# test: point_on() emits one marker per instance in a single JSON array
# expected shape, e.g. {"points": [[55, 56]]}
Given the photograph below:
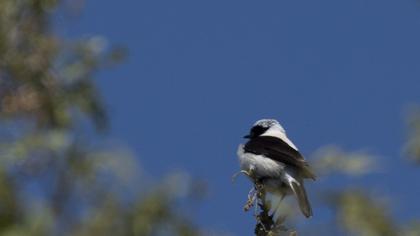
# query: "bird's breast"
{"points": [[262, 166]]}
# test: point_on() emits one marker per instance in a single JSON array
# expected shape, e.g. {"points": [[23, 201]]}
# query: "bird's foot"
{"points": [[240, 172]]}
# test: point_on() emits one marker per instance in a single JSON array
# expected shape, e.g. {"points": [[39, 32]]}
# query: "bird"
{"points": [[274, 161]]}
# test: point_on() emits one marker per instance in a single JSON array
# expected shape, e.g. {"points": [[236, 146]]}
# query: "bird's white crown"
{"points": [[274, 129], [268, 123]]}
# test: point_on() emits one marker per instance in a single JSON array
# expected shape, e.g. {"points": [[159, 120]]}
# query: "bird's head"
{"points": [[262, 126]]}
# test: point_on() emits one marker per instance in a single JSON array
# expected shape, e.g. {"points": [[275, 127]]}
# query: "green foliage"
{"points": [[332, 159], [52, 180], [45, 78], [8, 206], [363, 215], [413, 145], [357, 211]]}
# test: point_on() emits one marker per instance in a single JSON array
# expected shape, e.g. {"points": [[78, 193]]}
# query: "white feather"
{"points": [[274, 200], [259, 163]]}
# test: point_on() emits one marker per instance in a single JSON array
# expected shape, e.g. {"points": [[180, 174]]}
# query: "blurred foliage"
{"points": [[332, 159], [363, 215], [413, 146], [356, 210], [53, 180], [45, 78]]}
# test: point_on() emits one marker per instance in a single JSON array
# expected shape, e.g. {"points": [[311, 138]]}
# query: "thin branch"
{"points": [[266, 226]]}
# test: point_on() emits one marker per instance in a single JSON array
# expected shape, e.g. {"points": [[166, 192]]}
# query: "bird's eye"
{"points": [[257, 131]]}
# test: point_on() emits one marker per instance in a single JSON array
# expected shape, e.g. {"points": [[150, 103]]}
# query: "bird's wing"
{"points": [[278, 150]]}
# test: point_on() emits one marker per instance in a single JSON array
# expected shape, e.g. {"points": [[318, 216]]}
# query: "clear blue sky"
{"points": [[199, 73]]}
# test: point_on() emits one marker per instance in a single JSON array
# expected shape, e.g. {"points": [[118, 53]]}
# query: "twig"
{"points": [[265, 224]]}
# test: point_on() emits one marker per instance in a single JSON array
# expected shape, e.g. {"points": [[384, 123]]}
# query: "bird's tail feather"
{"points": [[299, 190]]}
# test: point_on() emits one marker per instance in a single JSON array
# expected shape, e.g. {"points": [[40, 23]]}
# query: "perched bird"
{"points": [[275, 162]]}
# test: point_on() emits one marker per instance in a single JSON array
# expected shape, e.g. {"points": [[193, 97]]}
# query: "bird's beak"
{"points": [[247, 136]]}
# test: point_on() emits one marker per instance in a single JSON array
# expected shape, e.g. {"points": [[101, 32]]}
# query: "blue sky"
{"points": [[199, 73]]}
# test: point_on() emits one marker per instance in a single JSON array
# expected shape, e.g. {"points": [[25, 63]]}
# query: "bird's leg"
{"points": [[276, 213], [279, 219]]}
